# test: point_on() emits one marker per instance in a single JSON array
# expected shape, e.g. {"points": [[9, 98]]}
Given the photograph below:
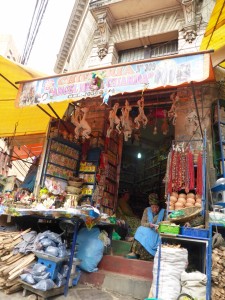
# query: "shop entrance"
{"points": [[144, 154]]}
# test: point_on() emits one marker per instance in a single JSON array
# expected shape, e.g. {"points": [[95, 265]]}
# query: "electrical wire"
{"points": [[36, 21]]}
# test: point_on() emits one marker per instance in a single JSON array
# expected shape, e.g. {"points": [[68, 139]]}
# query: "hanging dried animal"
{"points": [[113, 120], [77, 116], [172, 114], [125, 121], [141, 118], [82, 129]]}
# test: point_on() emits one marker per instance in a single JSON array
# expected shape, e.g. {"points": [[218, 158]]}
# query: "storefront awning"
{"points": [[153, 74], [214, 37], [24, 121]]}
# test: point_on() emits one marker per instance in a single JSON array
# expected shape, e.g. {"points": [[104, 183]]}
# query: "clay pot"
{"points": [[179, 205], [198, 204], [188, 204], [181, 200], [173, 199], [182, 196], [191, 200], [171, 207], [175, 194], [198, 200], [191, 195]]}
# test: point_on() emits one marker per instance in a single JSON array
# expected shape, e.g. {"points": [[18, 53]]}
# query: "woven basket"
{"points": [[73, 190], [189, 214], [75, 183]]}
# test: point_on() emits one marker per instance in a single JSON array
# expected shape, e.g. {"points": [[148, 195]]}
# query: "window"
{"points": [[155, 50]]}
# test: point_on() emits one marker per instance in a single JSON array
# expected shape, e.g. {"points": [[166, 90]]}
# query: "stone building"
{"points": [[106, 32]]}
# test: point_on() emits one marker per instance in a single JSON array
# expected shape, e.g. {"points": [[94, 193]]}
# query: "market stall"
{"points": [[81, 163]]}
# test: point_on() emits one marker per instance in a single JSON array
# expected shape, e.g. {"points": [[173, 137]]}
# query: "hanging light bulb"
{"points": [[155, 130]]}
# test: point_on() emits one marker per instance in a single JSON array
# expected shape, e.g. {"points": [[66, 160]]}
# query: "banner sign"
{"points": [[154, 74]]}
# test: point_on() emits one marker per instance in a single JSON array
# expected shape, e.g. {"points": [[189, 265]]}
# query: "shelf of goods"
{"points": [[218, 132], [87, 172], [61, 159], [110, 173]]}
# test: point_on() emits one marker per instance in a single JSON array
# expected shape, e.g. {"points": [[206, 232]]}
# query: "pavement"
{"points": [[79, 292]]}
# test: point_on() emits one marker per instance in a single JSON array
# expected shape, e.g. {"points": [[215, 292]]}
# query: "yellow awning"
{"points": [[26, 120], [214, 37]]}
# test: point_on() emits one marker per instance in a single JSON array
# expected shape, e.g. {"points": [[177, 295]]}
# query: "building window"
{"points": [[155, 50]]}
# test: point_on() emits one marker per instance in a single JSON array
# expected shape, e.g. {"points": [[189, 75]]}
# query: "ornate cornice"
{"points": [[104, 22], [72, 30], [189, 28]]}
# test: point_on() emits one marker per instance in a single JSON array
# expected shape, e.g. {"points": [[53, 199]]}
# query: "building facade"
{"points": [[106, 32]]}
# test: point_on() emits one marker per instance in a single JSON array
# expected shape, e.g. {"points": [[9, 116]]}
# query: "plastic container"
{"points": [[167, 228], [52, 267], [194, 232]]}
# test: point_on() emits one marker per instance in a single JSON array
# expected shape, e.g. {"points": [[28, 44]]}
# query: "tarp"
{"points": [[21, 121], [152, 74], [214, 37]]}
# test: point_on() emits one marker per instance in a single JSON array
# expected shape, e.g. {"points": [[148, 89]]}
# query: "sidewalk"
{"points": [[79, 292]]}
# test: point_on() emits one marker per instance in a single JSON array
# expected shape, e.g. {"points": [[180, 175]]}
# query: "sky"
{"points": [[15, 19]]}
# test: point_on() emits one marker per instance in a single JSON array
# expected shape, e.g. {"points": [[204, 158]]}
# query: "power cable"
{"points": [[36, 21]]}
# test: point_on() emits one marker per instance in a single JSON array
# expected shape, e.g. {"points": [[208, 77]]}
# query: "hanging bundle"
{"points": [[181, 170], [199, 183]]}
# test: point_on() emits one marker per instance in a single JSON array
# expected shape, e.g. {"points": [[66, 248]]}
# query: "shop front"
{"points": [[142, 127]]}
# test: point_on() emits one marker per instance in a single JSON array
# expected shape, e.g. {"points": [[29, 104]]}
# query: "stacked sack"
{"points": [[182, 200], [173, 261]]}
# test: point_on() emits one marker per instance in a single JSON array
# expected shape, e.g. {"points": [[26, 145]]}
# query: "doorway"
{"points": [[144, 157]]}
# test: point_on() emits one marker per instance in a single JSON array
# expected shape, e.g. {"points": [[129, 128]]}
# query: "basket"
{"points": [[189, 214], [194, 232], [168, 228], [73, 189], [75, 183]]}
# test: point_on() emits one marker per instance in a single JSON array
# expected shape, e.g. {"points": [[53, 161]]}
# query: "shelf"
{"points": [[66, 142], [60, 153], [87, 172], [57, 165], [55, 176]]}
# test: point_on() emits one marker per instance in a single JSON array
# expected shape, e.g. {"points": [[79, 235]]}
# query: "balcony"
{"points": [[125, 10]]}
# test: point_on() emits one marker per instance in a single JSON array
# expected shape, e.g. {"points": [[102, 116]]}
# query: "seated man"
{"points": [[146, 238]]}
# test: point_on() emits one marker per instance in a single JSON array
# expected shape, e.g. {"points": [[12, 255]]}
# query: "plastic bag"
{"points": [[51, 235], [62, 250], [47, 242], [52, 251], [41, 277], [90, 249], [27, 278], [60, 280], [44, 285], [39, 269], [64, 271]]}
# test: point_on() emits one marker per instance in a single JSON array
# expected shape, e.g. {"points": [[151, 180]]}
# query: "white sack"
{"points": [[194, 284], [173, 262]]}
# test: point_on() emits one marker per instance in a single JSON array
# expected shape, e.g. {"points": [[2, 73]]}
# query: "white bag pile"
{"points": [[173, 261], [194, 284]]}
